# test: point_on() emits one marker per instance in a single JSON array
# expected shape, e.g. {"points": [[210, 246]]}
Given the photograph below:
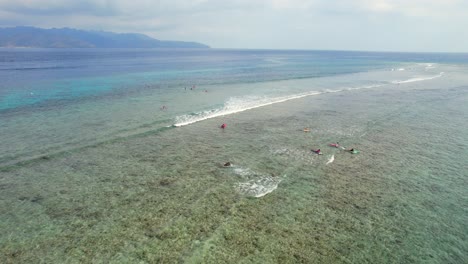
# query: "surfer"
{"points": [[227, 164], [306, 129], [317, 151], [223, 126], [353, 151]]}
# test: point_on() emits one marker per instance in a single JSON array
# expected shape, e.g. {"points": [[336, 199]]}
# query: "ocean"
{"points": [[116, 156]]}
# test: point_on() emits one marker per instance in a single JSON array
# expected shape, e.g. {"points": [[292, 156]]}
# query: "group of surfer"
{"points": [[185, 88], [191, 88], [336, 145], [316, 151]]}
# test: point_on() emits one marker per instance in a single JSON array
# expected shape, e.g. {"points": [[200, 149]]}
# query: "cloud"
{"points": [[421, 8], [357, 24], [144, 8], [58, 7]]}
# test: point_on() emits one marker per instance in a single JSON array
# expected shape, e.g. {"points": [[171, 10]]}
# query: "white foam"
{"points": [[280, 151], [330, 160], [259, 187], [243, 171], [240, 104], [275, 60], [236, 105], [430, 66], [364, 87], [255, 184], [418, 79], [401, 69], [333, 91]]}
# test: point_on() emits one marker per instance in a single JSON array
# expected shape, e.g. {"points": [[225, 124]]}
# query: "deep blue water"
{"points": [[37, 76]]}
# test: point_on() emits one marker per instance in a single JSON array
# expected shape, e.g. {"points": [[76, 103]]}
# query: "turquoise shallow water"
{"points": [[140, 190]]}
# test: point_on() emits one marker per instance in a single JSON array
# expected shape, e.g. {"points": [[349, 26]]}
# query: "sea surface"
{"points": [[116, 156]]}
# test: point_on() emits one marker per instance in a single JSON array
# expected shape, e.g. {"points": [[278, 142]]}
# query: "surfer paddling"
{"points": [[353, 151], [317, 151]]}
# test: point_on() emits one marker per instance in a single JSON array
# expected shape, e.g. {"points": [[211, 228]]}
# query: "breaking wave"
{"points": [[418, 79], [236, 105], [240, 104]]}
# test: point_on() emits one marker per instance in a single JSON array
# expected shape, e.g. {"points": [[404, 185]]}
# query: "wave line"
{"points": [[418, 79], [236, 105]]}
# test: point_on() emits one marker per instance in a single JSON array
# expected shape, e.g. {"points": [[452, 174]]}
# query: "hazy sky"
{"points": [[385, 25]]}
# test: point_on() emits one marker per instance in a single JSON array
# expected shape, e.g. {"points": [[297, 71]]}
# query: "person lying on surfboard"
{"points": [[317, 151], [353, 151]]}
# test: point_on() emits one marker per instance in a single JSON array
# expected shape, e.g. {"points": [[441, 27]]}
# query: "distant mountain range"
{"points": [[74, 38]]}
